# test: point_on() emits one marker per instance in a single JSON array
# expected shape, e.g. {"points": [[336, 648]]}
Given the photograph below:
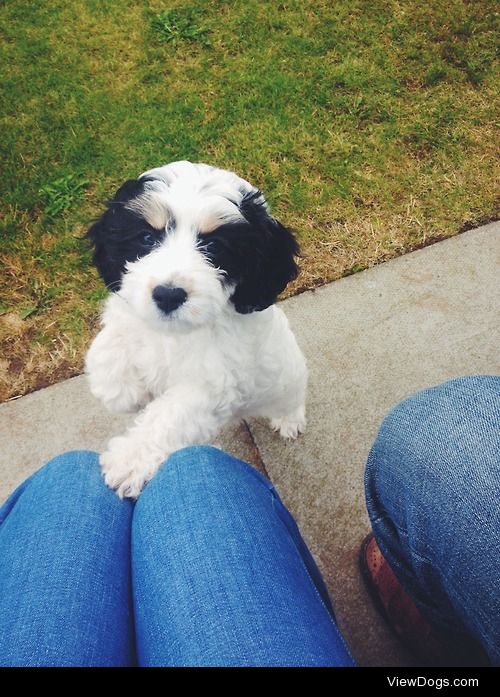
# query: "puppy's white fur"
{"points": [[203, 366]]}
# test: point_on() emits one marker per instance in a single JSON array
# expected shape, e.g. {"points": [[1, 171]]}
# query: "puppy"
{"points": [[191, 338]]}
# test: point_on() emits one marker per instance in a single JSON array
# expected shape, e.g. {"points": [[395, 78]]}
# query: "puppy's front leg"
{"points": [[112, 374], [182, 416]]}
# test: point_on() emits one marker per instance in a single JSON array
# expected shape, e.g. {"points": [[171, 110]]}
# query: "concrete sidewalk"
{"points": [[370, 340]]}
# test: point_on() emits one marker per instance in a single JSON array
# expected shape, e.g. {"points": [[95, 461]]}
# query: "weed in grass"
{"points": [[60, 194], [180, 24]]}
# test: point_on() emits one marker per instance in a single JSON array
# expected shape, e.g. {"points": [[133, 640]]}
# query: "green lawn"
{"points": [[370, 126]]}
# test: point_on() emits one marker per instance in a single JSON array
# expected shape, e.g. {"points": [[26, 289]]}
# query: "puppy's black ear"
{"points": [[109, 268], [106, 234], [267, 257]]}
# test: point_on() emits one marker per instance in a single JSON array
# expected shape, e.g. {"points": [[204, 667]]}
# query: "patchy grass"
{"points": [[371, 127]]}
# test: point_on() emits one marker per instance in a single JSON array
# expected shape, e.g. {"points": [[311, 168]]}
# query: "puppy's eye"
{"points": [[148, 239]]}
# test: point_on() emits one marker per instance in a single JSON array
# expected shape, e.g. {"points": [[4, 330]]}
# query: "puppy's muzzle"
{"points": [[168, 298]]}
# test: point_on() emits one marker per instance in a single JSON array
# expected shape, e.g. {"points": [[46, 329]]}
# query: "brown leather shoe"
{"points": [[406, 620]]}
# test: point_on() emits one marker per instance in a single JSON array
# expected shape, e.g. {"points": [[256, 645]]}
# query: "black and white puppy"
{"points": [[190, 335]]}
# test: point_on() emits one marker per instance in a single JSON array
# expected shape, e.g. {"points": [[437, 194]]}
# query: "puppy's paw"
{"points": [[290, 426], [127, 466]]}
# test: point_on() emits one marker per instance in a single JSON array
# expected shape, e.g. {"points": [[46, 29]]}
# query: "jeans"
{"points": [[208, 568], [433, 497]]}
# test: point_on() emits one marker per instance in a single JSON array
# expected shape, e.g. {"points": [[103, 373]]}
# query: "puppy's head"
{"points": [[183, 241]]}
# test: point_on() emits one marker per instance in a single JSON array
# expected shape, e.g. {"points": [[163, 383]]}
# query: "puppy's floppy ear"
{"points": [[267, 259], [105, 232], [109, 268]]}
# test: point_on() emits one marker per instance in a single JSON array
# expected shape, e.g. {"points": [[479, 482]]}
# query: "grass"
{"points": [[371, 127]]}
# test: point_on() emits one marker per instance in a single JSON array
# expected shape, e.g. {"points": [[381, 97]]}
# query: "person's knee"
{"points": [[204, 458], [198, 472], [188, 465], [427, 435]]}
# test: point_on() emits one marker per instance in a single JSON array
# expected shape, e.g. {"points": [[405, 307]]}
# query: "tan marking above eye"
{"points": [[152, 208], [216, 211]]}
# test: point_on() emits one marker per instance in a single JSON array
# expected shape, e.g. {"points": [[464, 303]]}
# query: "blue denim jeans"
{"points": [[433, 497], [207, 569]]}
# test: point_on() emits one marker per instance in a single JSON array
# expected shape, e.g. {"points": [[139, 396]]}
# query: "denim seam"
{"points": [[276, 499], [267, 484], [318, 594], [334, 625]]}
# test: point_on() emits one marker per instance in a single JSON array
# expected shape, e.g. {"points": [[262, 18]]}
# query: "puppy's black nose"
{"points": [[168, 298]]}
